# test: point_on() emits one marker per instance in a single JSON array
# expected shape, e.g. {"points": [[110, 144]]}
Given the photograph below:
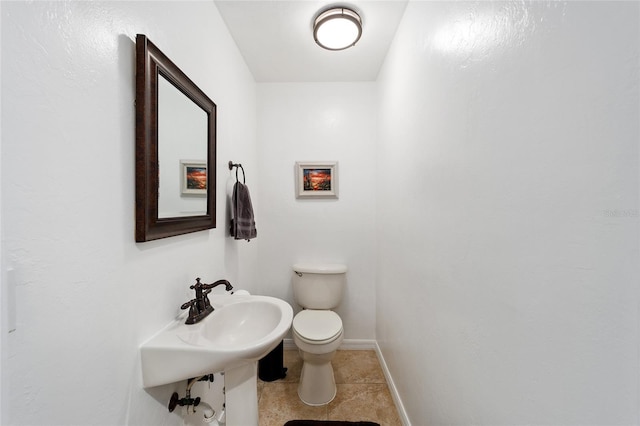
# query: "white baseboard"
{"points": [[346, 345], [358, 345], [288, 344], [392, 388], [366, 344]]}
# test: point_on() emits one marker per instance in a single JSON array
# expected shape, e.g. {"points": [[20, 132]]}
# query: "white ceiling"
{"points": [[276, 39]]}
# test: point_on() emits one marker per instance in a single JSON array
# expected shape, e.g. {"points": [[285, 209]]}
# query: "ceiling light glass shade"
{"points": [[337, 28]]}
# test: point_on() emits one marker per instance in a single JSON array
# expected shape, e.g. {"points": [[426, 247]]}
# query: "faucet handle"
{"points": [[198, 284], [194, 311], [188, 304]]}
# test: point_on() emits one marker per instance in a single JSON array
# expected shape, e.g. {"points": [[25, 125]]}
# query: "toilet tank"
{"points": [[319, 286]]}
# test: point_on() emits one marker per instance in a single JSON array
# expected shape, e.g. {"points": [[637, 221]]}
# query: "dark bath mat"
{"points": [[327, 423]]}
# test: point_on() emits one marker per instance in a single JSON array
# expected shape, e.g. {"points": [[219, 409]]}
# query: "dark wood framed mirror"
{"points": [[175, 149]]}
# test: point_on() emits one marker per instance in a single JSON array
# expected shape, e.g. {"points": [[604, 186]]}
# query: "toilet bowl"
{"points": [[317, 331], [317, 334]]}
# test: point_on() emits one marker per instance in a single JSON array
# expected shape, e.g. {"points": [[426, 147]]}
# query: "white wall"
{"points": [[318, 122], [87, 294], [511, 132]]}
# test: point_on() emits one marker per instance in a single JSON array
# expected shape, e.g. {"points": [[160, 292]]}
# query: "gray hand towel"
{"points": [[243, 225]]}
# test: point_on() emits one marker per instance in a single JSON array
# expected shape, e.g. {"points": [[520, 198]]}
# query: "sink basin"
{"points": [[241, 330]]}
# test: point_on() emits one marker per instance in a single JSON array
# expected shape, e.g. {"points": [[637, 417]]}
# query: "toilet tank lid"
{"points": [[327, 268]]}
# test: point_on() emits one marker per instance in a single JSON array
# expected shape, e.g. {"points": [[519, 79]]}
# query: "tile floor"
{"points": [[362, 395]]}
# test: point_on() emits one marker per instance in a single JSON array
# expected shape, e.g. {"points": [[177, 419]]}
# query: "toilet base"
{"points": [[317, 383]]}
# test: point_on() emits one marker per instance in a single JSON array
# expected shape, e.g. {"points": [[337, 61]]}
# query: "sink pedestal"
{"points": [[241, 395]]}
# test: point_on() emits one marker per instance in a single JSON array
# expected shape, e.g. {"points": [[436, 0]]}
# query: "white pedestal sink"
{"points": [[241, 330]]}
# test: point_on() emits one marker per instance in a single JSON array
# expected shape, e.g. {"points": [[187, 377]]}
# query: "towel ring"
{"points": [[238, 166]]}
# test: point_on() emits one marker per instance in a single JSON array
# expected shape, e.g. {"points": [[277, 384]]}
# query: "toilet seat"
{"points": [[317, 326]]}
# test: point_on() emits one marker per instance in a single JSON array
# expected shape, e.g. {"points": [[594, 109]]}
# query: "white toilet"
{"points": [[317, 331]]}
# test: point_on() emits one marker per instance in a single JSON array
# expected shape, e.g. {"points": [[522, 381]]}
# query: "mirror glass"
{"points": [[175, 149], [182, 153]]}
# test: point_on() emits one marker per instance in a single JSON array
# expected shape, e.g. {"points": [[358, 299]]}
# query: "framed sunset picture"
{"points": [[317, 179], [194, 177]]}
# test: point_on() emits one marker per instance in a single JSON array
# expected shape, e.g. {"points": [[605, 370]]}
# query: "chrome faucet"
{"points": [[200, 307]]}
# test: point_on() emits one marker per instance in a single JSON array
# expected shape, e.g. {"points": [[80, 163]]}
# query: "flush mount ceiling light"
{"points": [[337, 28]]}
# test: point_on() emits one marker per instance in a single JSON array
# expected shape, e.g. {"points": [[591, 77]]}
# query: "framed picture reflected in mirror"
{"points": [[194, 177]]}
